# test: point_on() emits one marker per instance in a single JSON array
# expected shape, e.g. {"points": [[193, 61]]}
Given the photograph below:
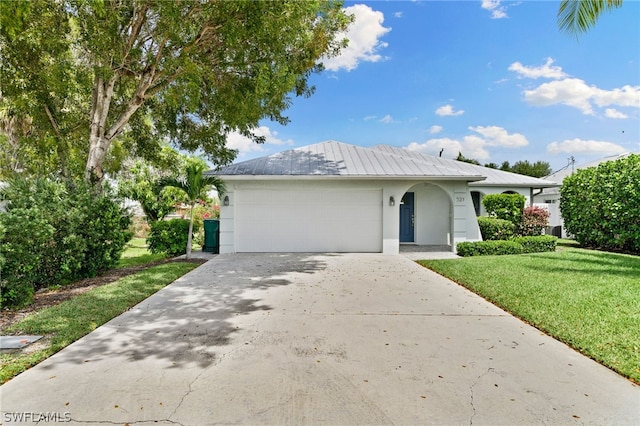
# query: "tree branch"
{"points": [[138, 20], [52, 120]]}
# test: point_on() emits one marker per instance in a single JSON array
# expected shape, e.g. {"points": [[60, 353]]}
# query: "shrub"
{"points": [[106, 232], [493, 228], [534, 221], [486, 248], [55, 232], [505, 206], [169, 236], [26, 235], [537, 244], [518, 245], [601, 205]]}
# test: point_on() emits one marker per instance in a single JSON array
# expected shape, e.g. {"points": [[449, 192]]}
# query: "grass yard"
{"points": [[70, 320], [587, 299], [136, 254]]}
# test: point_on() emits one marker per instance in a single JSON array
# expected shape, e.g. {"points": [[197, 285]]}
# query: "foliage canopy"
{"points": [[89, 73]]}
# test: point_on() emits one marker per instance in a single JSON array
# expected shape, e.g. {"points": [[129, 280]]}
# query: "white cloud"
{"points": [[245, 145], [370, 117], [497, 11], [364, 39], [614, 113], [433, 146], [387, 119], [626, 96], [435, 129], [543, 71], [398, 14], [471, 146], [497, 136], [448, 110], [576, 93], [578, 146]]}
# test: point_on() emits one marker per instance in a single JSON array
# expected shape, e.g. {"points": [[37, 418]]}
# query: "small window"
{"points": [[475, 196]]}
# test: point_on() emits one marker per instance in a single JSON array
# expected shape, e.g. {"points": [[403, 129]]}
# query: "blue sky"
{"points": [[494, 80]]}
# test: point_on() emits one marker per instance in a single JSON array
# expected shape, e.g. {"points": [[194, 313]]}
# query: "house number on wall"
{"points": [[459, 199]]}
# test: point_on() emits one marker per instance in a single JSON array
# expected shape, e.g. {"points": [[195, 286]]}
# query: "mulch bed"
{"points": [[46, 298]]}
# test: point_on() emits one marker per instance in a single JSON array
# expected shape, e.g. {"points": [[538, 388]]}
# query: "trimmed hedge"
{"points": [[493, 228], [488, 248], [537, 244], [518, 245], [170, 236]]}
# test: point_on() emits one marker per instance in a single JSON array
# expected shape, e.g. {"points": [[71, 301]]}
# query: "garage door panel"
{"points": [[309, 221]]}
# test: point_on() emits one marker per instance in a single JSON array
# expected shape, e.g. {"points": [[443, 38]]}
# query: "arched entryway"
{"points": [[426, 216]]}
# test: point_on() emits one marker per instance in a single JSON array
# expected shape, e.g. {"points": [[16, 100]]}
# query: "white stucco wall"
{"points": [[444, 210]]}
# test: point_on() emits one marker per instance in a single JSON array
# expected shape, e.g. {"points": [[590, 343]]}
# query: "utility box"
{"points": [[211, 236]]}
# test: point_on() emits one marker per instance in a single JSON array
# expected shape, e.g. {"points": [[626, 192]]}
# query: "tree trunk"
{"points": [[98, 139], [190, 236]]}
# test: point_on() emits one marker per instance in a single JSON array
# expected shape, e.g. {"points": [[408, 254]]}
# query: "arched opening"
{"points": [[426, 212]]}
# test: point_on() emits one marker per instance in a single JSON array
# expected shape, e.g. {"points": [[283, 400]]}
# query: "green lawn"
{"points": [[70, 320], [136, 254], [587, 299]]}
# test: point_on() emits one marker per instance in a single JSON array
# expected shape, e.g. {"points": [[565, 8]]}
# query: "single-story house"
{"points": [[336, 197]]}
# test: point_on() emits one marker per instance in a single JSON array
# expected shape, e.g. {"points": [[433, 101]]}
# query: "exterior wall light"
{"points": [[225, 201], [392, 201]]}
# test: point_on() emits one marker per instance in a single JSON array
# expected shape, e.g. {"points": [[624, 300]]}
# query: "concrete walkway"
{"points": [[309, 339]]}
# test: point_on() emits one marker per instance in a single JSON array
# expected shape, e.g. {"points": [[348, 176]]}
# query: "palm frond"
{"points": [[194, 183], [578, 16]]}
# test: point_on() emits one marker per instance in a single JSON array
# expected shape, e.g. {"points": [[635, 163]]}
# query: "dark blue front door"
{"points": [[406, 218]]}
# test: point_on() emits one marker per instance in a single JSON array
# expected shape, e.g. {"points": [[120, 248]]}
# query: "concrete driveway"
{"points": [[309, 339]]}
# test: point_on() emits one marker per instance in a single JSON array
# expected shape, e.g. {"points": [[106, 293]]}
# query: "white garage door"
{"points": [[309, 221]]}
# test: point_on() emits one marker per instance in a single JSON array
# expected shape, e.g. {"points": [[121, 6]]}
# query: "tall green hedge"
{"points": [[601, 205], [505, 206], [55, 232]]}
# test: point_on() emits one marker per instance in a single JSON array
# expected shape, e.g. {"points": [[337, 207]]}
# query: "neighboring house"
{"points": [[336, 197], [549, 198]]}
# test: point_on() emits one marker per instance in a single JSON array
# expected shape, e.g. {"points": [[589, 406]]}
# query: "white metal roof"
{"points": [[337, 159], [494, 177]]}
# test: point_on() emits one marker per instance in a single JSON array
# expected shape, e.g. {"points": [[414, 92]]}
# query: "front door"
{"points": [[406, 218]]}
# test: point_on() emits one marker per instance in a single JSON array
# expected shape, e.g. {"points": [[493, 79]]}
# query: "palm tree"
{"points": [[578, 16], [195, 185]]}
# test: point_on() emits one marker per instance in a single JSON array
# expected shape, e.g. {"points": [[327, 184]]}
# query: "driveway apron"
{"points": [[318, 339]]}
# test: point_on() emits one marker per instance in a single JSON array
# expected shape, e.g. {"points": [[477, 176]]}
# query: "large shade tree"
{"points": [[579, 16], [88, 73]]}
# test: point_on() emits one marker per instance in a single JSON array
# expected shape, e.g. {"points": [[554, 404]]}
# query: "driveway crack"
{"points": [[472, 393]]}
